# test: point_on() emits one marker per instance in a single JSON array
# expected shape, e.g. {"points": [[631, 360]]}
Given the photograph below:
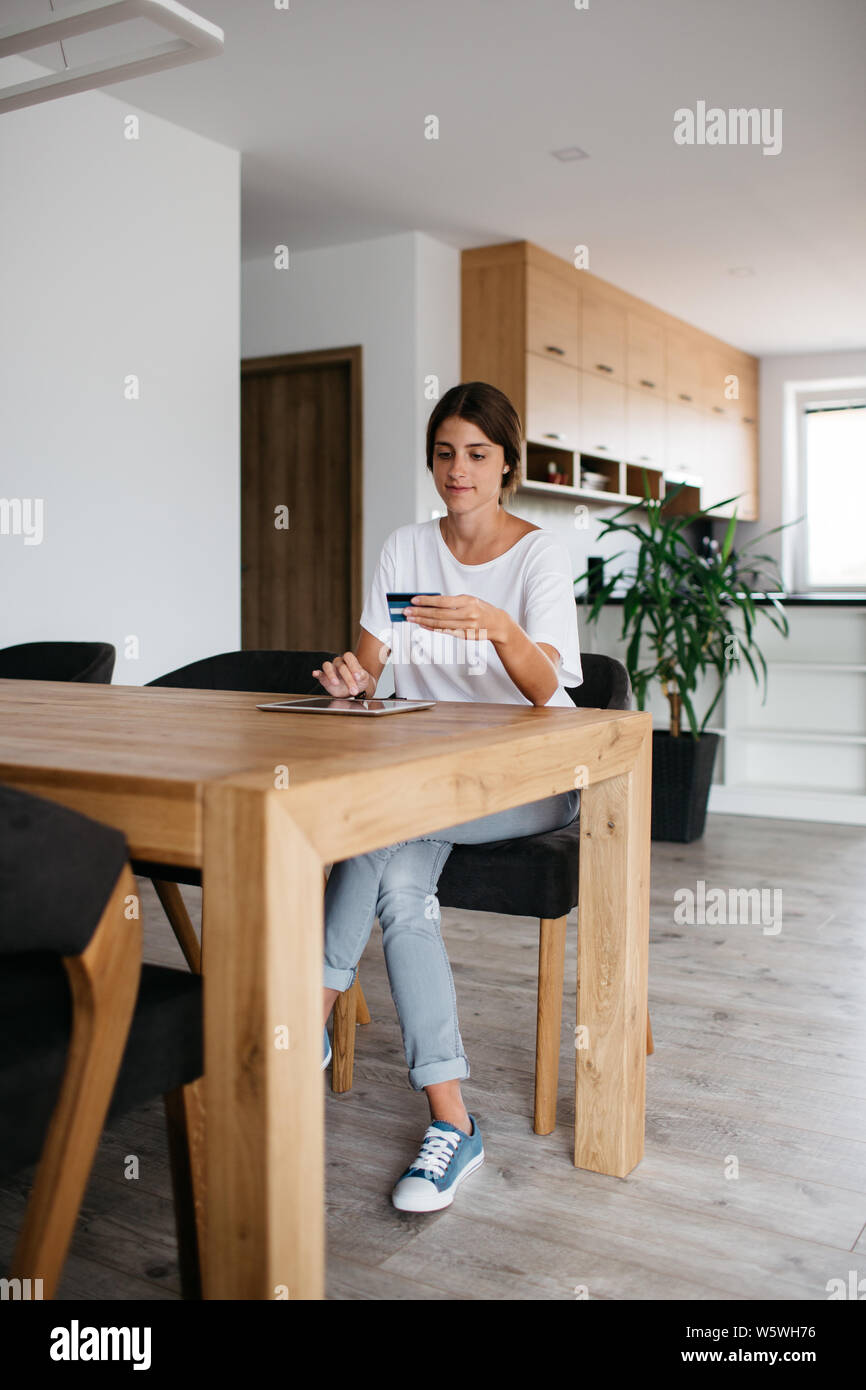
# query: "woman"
{"points": [[498, 625]]}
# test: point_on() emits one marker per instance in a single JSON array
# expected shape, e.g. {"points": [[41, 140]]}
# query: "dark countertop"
{"points": [[828, 600]]}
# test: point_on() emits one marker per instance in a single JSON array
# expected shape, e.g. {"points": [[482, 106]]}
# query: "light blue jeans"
{"points": [[398, 885]]}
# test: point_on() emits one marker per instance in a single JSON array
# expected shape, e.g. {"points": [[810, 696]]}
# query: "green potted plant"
{"points": [[685, 614]]}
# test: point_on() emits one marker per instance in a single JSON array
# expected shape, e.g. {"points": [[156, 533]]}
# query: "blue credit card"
{"points": [[397, 602]]}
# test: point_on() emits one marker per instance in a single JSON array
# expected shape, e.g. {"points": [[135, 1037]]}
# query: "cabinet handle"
{"points": [[644, 458], [553, 436], [603, 367], [748, 419], [560, 352], [601, 446], [650, 384], [684, 397], [719, 409]]}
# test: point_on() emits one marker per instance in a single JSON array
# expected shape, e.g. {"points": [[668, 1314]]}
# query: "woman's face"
{"points": [[467, 466]]}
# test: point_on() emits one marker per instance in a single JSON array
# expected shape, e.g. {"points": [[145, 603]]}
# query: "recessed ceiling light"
{"points": [[571, 152], [742, 272]]}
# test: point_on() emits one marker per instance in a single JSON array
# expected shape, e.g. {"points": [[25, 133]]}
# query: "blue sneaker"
{"points": [[326, 1054], [447, 1156]]}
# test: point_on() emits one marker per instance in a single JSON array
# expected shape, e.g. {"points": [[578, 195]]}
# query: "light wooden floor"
{"points": [[759, 1059]]}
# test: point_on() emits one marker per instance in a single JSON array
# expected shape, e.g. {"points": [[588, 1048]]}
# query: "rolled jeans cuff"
{"points": [[455, 1070], [338, 979]]}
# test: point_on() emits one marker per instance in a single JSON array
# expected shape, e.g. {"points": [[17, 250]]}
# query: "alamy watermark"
{"points": [[23, 516], [77, 1343], [736, 126], [20, 1290], [719, 907], [418, 646]]}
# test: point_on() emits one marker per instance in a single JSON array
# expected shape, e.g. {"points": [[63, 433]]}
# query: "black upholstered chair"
{"points": [[275, 672], [86, 1031], [58, 661], [535, 876]]}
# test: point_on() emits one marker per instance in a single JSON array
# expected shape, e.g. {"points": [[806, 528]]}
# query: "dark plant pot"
{"points": [[682, 773]]}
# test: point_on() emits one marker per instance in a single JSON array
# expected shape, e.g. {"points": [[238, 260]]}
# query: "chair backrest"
{"points": [[57, 872], [276, 672], [59, 661], [605, 683]]}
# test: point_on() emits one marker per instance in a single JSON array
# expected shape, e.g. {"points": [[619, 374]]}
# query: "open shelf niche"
{"points": [[552, 470]]}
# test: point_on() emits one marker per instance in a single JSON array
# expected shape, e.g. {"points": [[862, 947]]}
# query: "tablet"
{"points": [[325, 704]]}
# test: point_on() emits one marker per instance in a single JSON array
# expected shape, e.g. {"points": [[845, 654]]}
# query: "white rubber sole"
{"points": [[328, 1058], [439, 1200]]}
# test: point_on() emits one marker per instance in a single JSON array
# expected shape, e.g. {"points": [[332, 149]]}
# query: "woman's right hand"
{"points": [[345, 676]]}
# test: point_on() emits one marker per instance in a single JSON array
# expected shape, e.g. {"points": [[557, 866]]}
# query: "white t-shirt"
{"points": [[532, 582]]}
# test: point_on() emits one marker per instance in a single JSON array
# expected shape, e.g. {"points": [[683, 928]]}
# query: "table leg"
{"points": [[262, 908], [613, 950]]}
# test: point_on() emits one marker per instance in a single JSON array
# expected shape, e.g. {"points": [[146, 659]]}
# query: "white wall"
{"points": [[437, 349], [119, 257], [777, 448], [399, 297], [338, 297]]}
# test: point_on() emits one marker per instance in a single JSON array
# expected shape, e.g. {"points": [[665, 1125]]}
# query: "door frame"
{"points": [[351, 356]]}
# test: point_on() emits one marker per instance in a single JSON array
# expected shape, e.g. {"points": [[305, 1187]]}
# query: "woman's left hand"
{"points": [[460, 616]]}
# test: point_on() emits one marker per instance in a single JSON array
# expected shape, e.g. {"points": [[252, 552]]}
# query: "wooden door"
{"points": [[301, 500]]}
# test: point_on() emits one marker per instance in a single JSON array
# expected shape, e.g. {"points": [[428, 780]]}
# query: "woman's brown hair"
{"points": [[491, 410]]}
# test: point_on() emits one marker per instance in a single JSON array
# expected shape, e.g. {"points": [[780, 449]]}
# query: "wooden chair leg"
{"points": [[362, 1013], [184, 1117], [169, 895], [650, 1046], [551, 971], [345, 1015], [104, 982]]}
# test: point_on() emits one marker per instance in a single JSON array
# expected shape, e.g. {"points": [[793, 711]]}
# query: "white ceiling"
{"points": [[327, 103]]}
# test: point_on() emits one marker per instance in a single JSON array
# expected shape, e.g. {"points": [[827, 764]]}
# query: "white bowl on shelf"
{"points": [[596, 482]]}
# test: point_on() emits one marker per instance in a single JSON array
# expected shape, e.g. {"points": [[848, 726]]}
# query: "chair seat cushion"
{"points": [[535, 876], [164, 1048]]}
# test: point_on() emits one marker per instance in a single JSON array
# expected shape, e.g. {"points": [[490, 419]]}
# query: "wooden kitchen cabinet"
{"points": [[718, 465], [644, 428], [685, 374], [744, 471], [748, 401], [730, 470], [602, 335], [687, 441], [597, 373], [553, 402], [645, 354], [602, 416], [553, 316], [721, 382]]}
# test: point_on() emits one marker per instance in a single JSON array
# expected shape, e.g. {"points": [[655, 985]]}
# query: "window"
{"points": [[833, 492]]}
